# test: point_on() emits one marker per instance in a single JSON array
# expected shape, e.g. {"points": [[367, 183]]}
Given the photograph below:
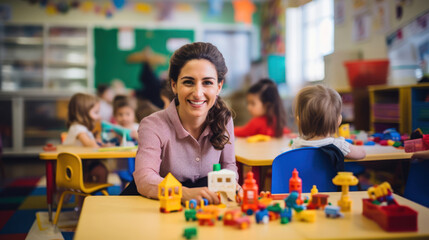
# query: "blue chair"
{"points": [[126, 176], [417, 187], [313, 165]]}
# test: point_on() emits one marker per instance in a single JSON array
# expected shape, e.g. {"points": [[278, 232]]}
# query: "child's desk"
{"points": [[260, 154], [134, 217], [83, 153]]}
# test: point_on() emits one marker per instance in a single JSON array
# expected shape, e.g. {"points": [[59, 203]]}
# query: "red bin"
{"points": [[363, 73]]}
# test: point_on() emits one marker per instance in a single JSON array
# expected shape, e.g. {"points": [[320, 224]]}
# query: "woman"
{"points": [[192, 134]]}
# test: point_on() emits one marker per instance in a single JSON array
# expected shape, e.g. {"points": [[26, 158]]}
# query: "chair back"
{"points": [[69, 171], [314, 168], [417, 187]]}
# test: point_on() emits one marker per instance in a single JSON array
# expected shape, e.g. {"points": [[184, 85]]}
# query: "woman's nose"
{"points": [[198, 91]]}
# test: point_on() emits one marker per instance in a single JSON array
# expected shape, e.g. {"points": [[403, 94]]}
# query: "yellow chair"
{"points": [[70, 176]]}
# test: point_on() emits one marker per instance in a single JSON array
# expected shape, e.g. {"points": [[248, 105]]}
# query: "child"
{"points": [[265, 106], [318, 116], [124, 114], [83, 113], [105, 94]]}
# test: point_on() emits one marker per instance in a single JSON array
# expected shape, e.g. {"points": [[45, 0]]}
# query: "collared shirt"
{"points": [[165, 146], [339, 142]]}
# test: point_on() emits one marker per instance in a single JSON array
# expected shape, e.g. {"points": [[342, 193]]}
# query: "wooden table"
{"points": [[133, 217], [260, 154], [84, 153]]}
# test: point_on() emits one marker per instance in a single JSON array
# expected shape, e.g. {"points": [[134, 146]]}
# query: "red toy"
{"points": [[318, 201], [415, 145], [250, 195], [49, 147], [295, 184], [392, 218]]}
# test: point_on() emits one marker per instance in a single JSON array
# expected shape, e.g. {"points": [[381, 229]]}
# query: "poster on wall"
{"points": [[126, 39], [339, 12], [361, 27], [380, 13], [360, 7]]}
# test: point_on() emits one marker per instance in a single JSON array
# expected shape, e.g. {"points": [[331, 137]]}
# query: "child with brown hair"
{"points": [[265, 106], [124, 114], [318, 116]]}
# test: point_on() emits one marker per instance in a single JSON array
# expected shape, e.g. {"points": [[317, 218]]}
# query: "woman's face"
{"points": [[196, 88]]}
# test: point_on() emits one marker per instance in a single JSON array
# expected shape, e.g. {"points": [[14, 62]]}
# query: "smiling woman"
{"points": [[192, 134]]}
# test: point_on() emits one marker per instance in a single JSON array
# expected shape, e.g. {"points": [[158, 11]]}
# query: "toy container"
{"points": [[363, 73]]}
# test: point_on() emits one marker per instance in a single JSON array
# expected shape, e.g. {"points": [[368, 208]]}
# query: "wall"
{"points": [[374, 47]]}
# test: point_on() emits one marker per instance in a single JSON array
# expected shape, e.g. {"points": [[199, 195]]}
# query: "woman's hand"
{"points": [[421, 155], [198, 194]]}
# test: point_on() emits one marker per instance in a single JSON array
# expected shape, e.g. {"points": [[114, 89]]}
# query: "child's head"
{"points": [[166, 93], [317, 111], [83, 109], [124, 110], [263, 99], [105, 92]]}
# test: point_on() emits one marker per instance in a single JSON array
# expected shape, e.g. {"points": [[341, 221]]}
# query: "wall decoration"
{"points": [[380, 13], [339, 12], [51, 9], [143, 7], [215, 7], [360, 7], [361, 27], [126, 39], [273, 27], [119, 4], [86, 6], [243, 11]]}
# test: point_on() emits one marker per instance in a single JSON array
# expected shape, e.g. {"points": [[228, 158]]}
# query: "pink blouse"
{"points": [[165, 146]]}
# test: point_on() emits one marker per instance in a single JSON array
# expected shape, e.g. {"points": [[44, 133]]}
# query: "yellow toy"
{"points": [[258, 138], [170, 194], [306, 215], [313, 191], [344, 130], [345, 179], [380, 192]]}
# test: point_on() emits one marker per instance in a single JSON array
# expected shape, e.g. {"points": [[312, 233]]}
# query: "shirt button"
{"points": [[198, 159]]}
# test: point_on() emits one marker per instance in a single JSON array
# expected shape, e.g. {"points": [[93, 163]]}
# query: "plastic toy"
{"points": [[415, 145], [258, 138], [230, 216], [313, 191], [279, 196], [265, 198], [107, 128], [392, 218], [170, 194], [295, 184], [49, 147], [208, 215], [285, 215], [190, 215], [381, 193], [223, 182], [262, 216], [306, 216], [318, 201], [333, 212], [250, 195], [344, 130], [242, 222], [345, 179], [190, 232], [290, 202], [391, 134]]}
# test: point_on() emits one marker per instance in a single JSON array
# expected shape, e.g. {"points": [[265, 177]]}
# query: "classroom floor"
{"points": [[23, 195]]}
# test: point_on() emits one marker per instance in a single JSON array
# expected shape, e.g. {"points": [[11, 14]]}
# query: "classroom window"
{"points": [[309, 37]]}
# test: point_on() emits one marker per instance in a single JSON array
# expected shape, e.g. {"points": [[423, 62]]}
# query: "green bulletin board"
{"points": [[111, 63]]}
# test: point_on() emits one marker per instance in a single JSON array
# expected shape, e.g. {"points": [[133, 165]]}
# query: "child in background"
{"points": [[265, 106], [105, 94], [166, 93], [318, 116], [83, 113], [124, 114]]}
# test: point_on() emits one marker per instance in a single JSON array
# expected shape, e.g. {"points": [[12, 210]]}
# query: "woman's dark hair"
{"points": [[270, 98], [219, 115]]}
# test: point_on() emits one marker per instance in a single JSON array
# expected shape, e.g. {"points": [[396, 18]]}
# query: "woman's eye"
{"points": [[208, 82], [187, 82]]}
